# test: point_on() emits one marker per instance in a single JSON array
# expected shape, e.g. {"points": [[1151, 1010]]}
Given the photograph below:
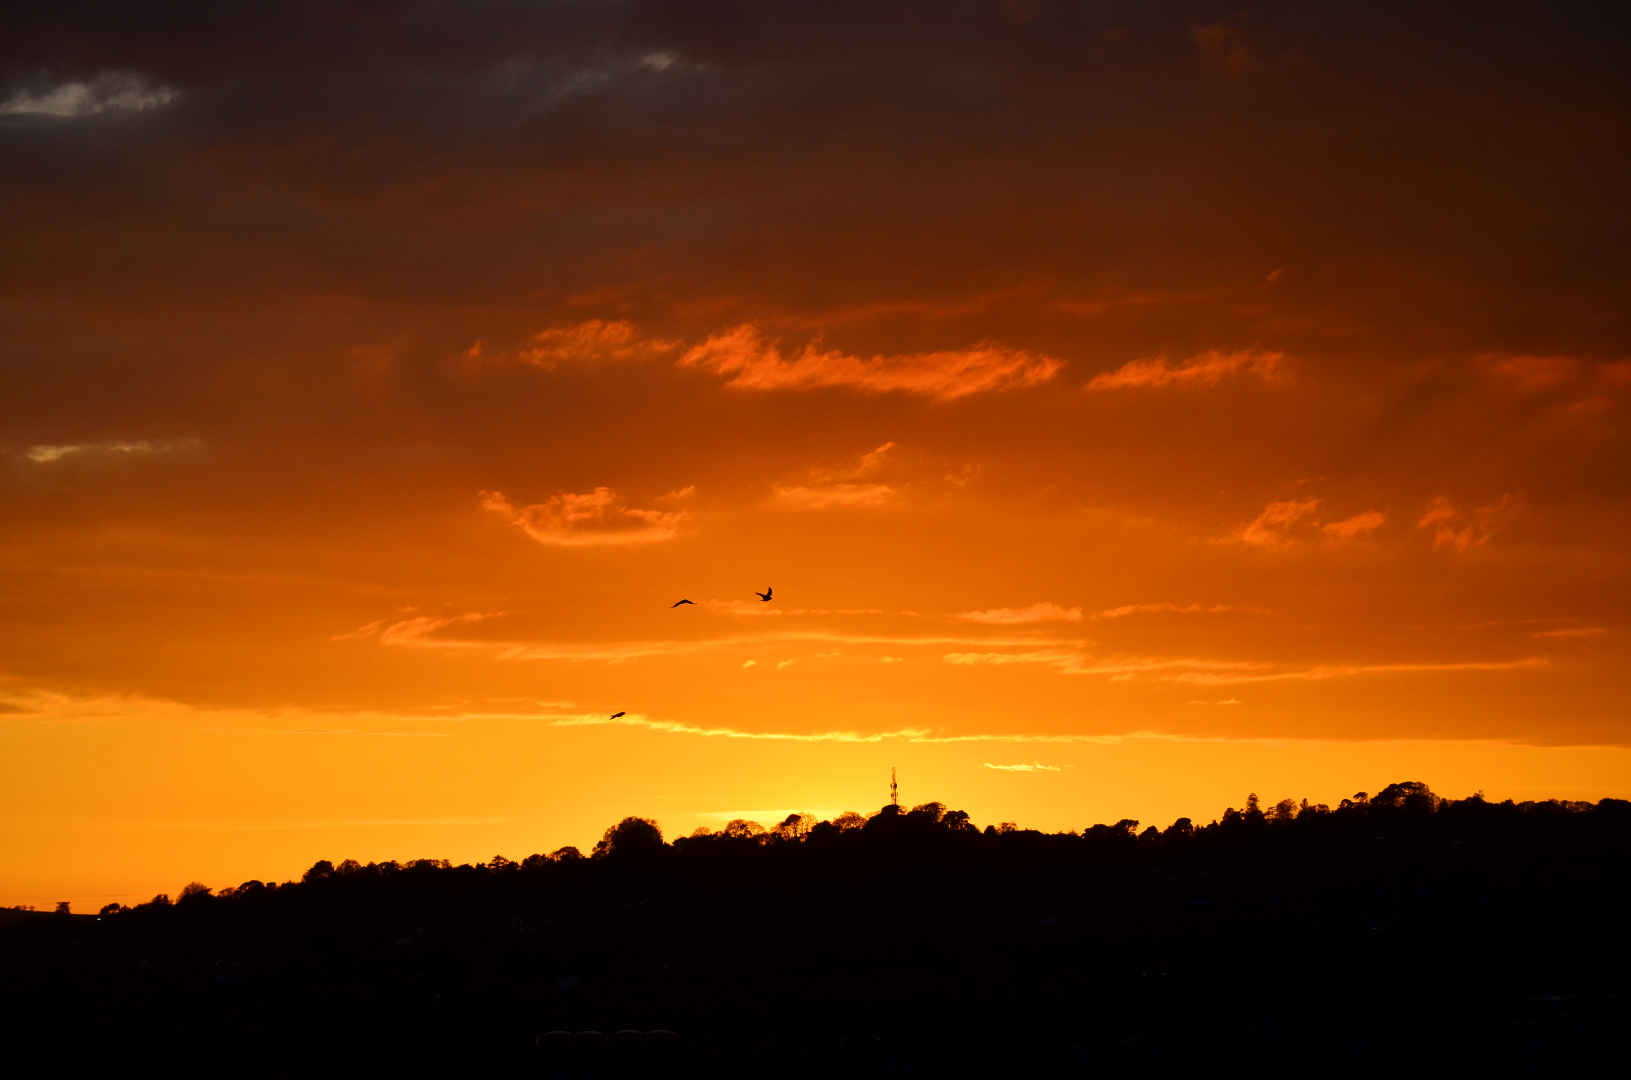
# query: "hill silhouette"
{"points": [[1400, 931]]}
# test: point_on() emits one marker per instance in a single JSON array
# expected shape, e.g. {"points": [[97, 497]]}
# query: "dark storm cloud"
{"points": [[1089, 144], [405, 178]]}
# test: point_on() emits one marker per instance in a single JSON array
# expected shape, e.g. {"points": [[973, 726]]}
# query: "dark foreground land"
{"points": [[1402, 934]]}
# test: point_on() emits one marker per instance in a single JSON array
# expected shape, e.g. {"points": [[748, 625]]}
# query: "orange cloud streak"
{"points": [[596, 517], [757, 364], [1207, 369]]}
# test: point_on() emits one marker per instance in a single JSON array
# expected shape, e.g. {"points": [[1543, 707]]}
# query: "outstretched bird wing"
{"points": [[615, 715], [677, 603], [765, 596]]}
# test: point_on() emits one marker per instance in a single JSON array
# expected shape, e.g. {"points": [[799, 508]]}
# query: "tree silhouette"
{"points": [[738, 829], [930, 811], [795, 827], [632, 837], [1412, 796], [1256, 942], [849, 819]]}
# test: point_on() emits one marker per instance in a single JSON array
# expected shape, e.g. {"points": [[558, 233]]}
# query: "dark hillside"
{"points": [[1402, 932]]}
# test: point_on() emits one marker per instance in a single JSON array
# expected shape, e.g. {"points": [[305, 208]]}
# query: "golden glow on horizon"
{"points": [[135, 797]]}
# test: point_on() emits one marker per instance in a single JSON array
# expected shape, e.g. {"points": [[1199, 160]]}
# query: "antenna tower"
{"points": [[894, 792]]}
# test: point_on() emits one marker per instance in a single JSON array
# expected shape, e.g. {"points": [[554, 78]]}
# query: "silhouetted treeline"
{"points": [[1399, 930]]}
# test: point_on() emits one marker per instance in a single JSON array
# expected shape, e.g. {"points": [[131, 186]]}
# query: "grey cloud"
{"points": [[46, 453], [113, 92]]}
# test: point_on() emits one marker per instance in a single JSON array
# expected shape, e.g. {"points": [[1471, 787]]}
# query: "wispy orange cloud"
{"points": [[1199, 671], [828, 496], [1536, 373], [1066, 656], [1272, 528], [678, 728], [1321, 672], [366, 631], [841, 487], [1191, 609], [1353, 528], [871, 461], [419, 631], [758, 364], [911, 735], [596, 517], [1452, 528], [1280, 524], [590, 341], [1118, 669], [1056, 657], [1040, 612], [1203, 370]]}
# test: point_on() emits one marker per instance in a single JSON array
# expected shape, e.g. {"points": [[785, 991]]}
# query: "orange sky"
{"points": [[1132, 406]]}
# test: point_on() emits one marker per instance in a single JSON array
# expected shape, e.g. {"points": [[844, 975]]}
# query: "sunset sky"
{"points": [[1132, 405]]}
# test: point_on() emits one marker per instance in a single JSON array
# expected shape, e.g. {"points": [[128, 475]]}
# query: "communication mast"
{"points": [[894, 792]]}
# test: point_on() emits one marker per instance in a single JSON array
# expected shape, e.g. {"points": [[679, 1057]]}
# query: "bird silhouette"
{"points": [[765, 596], [615, 715], [677, 603]]}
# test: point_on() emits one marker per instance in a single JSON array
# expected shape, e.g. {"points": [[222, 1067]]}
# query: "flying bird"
{"points": [[677, 603], [765, 596], [615, 715]]}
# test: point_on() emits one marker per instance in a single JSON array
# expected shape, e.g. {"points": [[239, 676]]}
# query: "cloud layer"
{"points": [[114, 92], [596, 517], [46, 453], [1038, 612], [594, 340], [1452, 528], [1283, 523], [1193, 609], [1207, 369], [755, 363]]}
